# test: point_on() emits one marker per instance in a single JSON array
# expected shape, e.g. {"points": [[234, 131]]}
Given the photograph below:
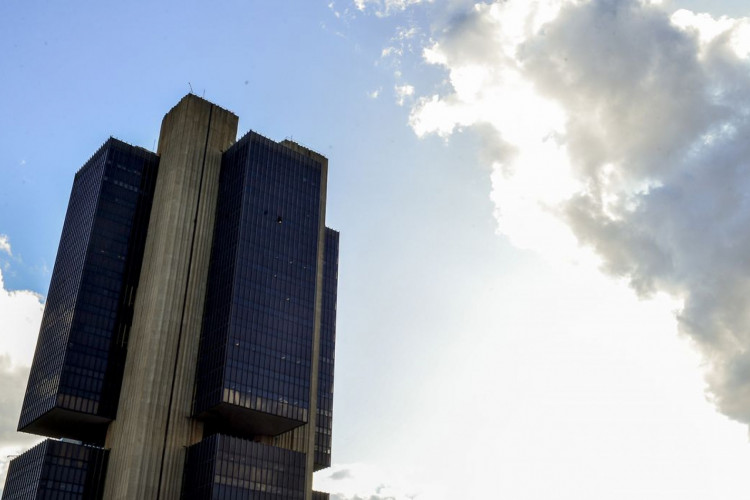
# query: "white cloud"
{"points": [[731, 33], [401, 42], [612, 126], [403, 92], [5, 244], [383, 8], [407, 33], [20, 316], [369, 482], [390, 51]]}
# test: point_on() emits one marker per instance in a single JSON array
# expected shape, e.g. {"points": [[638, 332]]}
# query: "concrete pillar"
{"points": [[152, 428]]}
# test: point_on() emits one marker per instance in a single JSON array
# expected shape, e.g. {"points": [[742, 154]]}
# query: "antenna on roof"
{"points": [[204, 94], [191, 88]]}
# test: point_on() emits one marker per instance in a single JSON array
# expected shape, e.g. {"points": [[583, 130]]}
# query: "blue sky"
{"points": [[541, 204]]}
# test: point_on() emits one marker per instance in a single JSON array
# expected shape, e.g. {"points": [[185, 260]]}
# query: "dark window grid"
{"points": [[239, 468], [257, 356], [271, 373], [77, 233], [255, 382], [289, 351], [287, 292], [63, 286], [56, 470], [289, 388]]}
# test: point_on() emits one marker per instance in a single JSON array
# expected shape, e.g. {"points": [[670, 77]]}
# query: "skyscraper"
{"points": [[186, 347]]}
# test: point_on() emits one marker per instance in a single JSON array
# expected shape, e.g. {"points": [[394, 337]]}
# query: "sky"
{"points": [[544, 209]]}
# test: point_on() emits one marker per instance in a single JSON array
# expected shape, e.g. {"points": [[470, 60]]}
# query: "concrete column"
{"points": [[152, 427]]}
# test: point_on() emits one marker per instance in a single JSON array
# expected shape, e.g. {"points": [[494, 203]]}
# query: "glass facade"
{"points": [[77, 369], [256, 346], [324, 420], [57, 470], [225, 467]]}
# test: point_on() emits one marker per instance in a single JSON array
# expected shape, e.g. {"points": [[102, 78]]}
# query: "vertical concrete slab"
{"points": [[310, 451], [182, 431], [153, 424]]}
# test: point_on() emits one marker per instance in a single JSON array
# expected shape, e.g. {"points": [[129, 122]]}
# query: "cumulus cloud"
{"points": [[615, 127], [20, 316], [12, 382]]}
